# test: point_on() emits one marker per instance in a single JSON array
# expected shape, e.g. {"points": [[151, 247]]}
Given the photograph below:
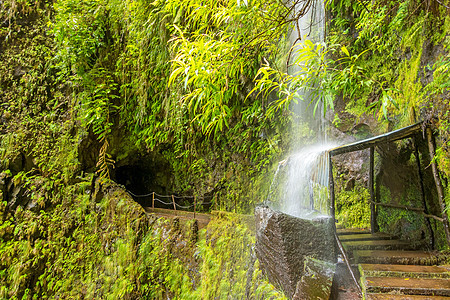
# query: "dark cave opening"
{"points": [[144, 176], [150, 181]]}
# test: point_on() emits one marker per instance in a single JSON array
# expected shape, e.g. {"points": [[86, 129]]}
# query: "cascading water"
{"points": [[297, 227], [307, 182], [310, 26], [302, 179]]}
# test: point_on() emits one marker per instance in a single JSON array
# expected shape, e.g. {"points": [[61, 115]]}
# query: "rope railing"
{"points": [[164, 196], [156, 197]]}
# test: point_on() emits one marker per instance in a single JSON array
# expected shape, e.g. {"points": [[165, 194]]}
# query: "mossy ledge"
{"points": [[105, 246]]}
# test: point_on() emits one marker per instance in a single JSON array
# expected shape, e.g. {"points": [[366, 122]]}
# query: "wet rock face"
{"points": [[352, 166], [283, 242], [317, 280]]}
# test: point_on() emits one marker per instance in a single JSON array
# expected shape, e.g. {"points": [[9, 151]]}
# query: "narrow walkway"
{"points": [[393, 269], [202, 219]]}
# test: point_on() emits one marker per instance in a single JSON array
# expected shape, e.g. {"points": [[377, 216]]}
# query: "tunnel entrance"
{"points": [[144, 175]]}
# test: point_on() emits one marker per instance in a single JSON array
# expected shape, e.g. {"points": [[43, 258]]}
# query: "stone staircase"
{"points": [[394, 269]]}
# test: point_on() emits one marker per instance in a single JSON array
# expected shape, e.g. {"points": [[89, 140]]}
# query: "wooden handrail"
{"points": [[414, 209], [377, 140], [393, 136], [347, 263]]}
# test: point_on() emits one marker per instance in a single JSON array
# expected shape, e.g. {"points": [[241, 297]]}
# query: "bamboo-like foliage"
{"points": [[214, 50], [169, 72]]}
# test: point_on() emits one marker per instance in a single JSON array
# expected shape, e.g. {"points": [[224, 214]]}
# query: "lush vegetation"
{"points": [[106, 247], [90, 85], [87, 84], [173, 77], [398, 52], [382, 67]]}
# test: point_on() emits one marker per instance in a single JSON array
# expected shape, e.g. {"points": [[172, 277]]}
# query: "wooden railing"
{"points": [[407, 132]]}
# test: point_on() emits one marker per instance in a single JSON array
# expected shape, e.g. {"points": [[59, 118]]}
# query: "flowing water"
{"points": [[300, 184], [306, 186], [297, 224], [311, 26]]}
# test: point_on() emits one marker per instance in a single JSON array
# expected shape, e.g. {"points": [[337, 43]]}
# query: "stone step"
{"points": [[403, 297], [395, 257], [409, 286], [377, 245], [345, 231], [407, 271], [365, 237]]}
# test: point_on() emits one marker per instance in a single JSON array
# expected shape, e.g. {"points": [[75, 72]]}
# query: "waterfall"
{"points": [[299, 189], [302, 183], [311, 26], [306, 182]]}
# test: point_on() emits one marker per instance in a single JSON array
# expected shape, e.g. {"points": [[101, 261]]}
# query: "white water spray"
{"points": [[306, 192], [305, 173]]}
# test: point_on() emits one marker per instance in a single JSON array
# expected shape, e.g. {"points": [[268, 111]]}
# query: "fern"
{"points": [[104, 160]]}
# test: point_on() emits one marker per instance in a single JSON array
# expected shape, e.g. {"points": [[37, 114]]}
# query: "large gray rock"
{"points": [[316, 281], [284, 241]]}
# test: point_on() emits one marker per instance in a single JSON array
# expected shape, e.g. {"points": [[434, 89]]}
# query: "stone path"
{"points": [[202, 219], [393, 269]]}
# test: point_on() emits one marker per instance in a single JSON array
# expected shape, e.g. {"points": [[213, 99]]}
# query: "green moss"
{"points": [[408, 94], [102, 70], [405, 224], [353, 209], [109, 248]]}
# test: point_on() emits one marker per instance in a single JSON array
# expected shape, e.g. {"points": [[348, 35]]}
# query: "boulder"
{"points": [[283, 242], [316, 281]]}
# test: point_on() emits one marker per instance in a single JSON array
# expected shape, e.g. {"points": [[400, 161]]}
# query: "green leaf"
{"points": [[345, 50]]}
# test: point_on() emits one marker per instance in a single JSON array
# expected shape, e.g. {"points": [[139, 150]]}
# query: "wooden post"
{"points": [[422, 191], [331, 187], [437, 180], [195, 205], [373, 213], [173, 201], [153, 200]]}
